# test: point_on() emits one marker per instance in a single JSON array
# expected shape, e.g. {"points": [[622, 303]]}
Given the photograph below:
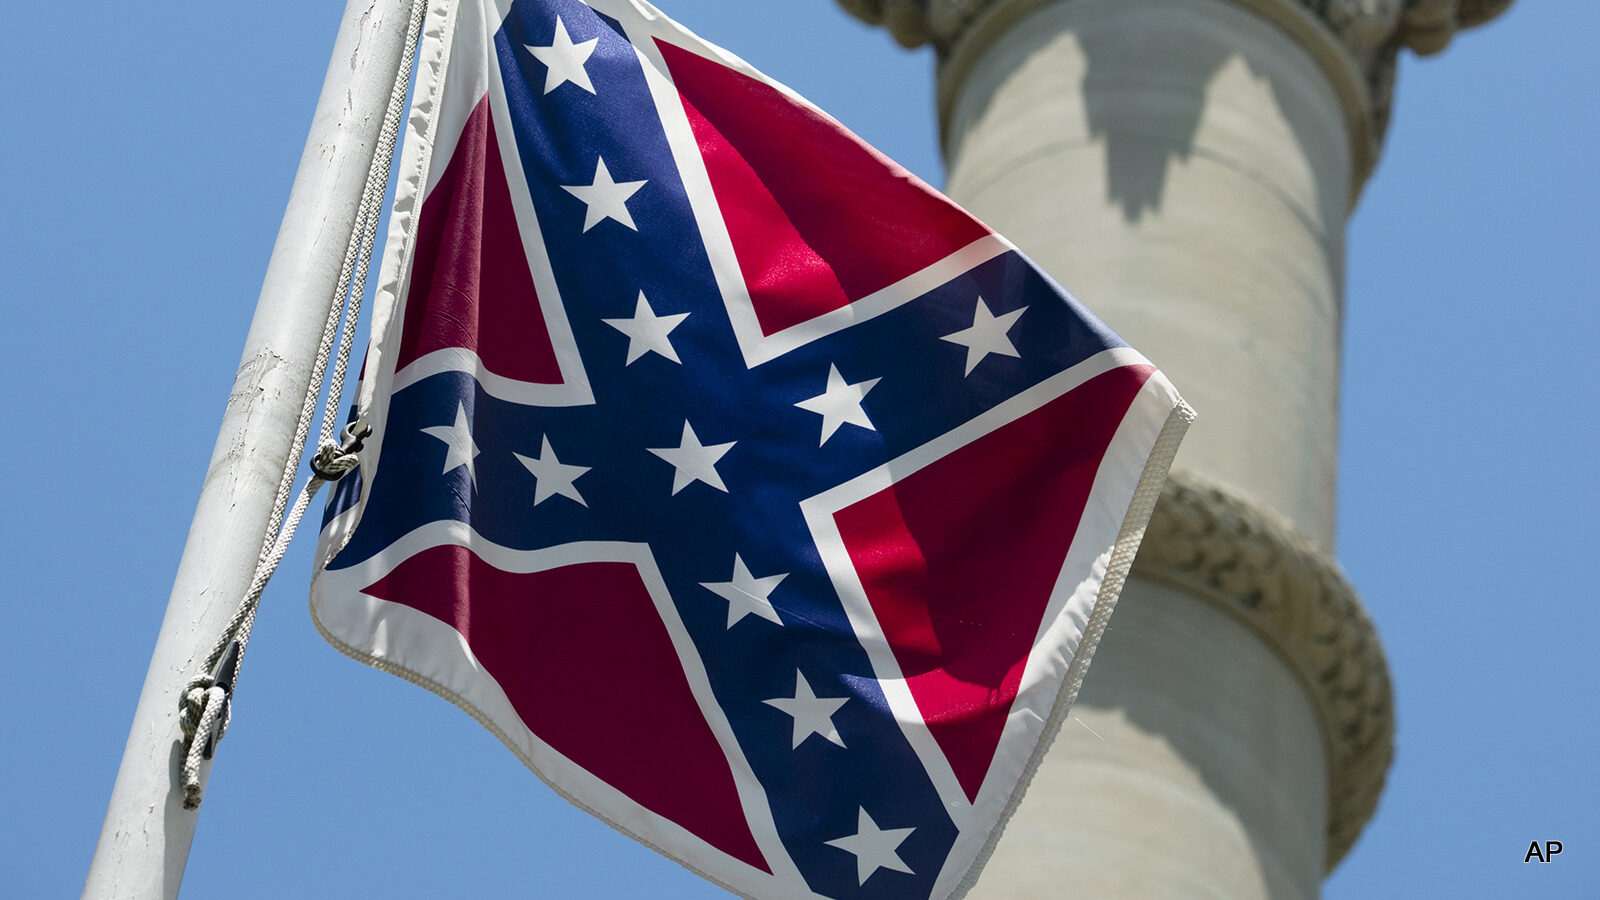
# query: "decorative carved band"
{"points": [[1207, 542], [1371, 31]]}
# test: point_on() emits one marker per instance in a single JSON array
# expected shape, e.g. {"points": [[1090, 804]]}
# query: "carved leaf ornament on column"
{"points": [[1212, 544]]}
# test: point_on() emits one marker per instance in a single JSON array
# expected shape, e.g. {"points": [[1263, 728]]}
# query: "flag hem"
{"points": [[1130, 536]]}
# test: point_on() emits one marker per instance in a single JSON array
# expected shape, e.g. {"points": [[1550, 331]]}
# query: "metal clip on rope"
{"points": [[331, 462]]}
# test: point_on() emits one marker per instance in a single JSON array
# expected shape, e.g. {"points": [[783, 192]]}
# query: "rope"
{"points": [[205, 709], [214, 716]]}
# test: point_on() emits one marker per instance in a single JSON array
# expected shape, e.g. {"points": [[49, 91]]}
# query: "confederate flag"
{"points": [[761, 500]]}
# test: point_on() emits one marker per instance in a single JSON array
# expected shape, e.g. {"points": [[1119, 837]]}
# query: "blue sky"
{"points": [[148, 154]]}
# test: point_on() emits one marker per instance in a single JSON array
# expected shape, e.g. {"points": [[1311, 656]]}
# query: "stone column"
{"points": [[1187, 168]]}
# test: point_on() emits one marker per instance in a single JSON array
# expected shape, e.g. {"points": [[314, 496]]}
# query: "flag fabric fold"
{"points": [[765, 503]]}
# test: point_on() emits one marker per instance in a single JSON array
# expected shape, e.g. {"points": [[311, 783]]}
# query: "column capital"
{"points": [[1425, 26], [1371, 32], [1209, 542]]}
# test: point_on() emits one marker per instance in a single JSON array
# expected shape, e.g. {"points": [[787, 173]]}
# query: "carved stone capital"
{"points": [[1425, 26], [1209, 543], [1371, 31]]}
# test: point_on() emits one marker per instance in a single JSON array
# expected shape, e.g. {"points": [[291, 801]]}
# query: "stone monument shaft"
{"points": [[1187, 168]]}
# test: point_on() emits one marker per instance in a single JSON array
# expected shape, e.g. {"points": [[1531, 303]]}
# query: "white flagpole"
{"points": [[144, 844]]}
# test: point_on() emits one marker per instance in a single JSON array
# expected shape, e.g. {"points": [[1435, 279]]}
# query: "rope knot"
{"points": [[192, 704], [209, 727], [205, 713], [331, 460]]}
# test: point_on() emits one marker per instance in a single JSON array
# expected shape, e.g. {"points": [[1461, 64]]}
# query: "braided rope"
{"points": [[205, 707], [215, 711]]}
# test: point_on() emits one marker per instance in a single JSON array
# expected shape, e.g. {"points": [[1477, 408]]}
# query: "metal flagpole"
{"points": [[145, 841]]}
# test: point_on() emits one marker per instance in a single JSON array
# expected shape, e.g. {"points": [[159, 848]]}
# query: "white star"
{"points": [[747, 594], [606, 198], [694, 461], [987, 335], [459, 448], [647, 332], [812, 714], [840, 404], [874, 847], [565, 60], [552, 476]]}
